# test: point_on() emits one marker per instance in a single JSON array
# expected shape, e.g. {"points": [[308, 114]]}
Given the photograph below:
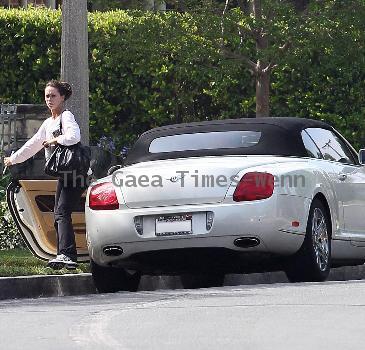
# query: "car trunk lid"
{"points": [[200, 180]]}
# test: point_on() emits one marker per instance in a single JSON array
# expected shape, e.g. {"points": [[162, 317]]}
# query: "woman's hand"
{"points": [[7, 161], [48, 143]]}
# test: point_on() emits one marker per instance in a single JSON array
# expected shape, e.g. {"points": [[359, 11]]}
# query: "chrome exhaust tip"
{"points": [[113, 250], [246, 242]]}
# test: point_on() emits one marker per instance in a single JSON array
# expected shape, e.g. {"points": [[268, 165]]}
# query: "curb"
{"points": [[344, 273], [46, 286], [80, 284]]}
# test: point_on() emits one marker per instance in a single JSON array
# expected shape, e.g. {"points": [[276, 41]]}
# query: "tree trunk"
{"points": [[74, 61], [262, 81], [262, 73], [262, 94]]}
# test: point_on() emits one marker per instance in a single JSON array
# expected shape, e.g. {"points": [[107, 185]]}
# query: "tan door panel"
{"points": [[39, 185], [43, 214]]}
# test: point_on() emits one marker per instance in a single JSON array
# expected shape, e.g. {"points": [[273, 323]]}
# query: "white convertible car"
{"points": [[208, 198]]}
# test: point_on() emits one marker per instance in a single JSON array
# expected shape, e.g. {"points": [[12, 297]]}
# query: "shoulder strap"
{"points": [[61, 123]]}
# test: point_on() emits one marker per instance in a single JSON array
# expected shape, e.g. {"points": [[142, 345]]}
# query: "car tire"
{"points": [[112, 279], [206, 280], [312, 263]]}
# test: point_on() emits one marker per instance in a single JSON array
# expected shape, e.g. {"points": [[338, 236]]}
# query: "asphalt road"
{"points": [[278, 316]]}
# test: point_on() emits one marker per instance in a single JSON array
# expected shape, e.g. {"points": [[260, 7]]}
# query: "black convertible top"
{"points": [[280, 137]]}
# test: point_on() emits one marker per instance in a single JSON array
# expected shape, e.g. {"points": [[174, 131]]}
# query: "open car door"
{"points": [[31, 204], [31, 197]]}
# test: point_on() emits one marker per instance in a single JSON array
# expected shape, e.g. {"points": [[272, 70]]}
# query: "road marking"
{"points": [[93, 330]]}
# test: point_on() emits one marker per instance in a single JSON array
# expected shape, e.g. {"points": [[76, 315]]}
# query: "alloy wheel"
{"points": [[320, 239]]}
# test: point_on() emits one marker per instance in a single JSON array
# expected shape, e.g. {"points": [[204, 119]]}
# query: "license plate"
{"points": [[174, 225]]}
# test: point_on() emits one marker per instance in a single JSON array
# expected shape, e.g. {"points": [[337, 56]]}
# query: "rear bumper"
{"points": [[269, 220]]}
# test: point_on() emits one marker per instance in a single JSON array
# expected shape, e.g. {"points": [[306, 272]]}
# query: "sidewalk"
{"points": [[79, 284]]}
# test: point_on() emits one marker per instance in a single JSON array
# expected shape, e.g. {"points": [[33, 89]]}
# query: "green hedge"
{"points": [[29, 53], [151, 69], [324, 76]]}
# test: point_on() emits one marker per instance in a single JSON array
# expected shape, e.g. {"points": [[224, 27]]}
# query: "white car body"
{"points": [[130, 236], [270, 220]]}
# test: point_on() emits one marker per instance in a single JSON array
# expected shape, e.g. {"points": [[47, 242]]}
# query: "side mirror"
{"points": [[362, 156]]}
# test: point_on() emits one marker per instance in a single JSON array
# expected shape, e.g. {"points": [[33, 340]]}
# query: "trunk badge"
{"points": [[174, 178]]}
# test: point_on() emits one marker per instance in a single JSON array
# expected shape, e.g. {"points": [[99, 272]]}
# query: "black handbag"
{"points": [[68, 160]]}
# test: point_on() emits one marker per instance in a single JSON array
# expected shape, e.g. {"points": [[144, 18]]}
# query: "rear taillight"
{"points": [[254, 186], [103, 197]]}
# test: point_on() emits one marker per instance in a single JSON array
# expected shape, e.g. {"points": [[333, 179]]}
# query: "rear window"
{"points": [[205, 141]]}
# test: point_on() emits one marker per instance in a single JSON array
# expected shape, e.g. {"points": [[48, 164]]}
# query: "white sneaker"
{"points": [[61, 261]]}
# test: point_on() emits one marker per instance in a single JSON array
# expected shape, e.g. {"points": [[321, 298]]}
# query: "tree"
{"points": [[247, 21], [256, 21]]}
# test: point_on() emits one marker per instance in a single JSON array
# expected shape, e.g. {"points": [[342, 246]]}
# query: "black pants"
{"points": [[67, 198]]}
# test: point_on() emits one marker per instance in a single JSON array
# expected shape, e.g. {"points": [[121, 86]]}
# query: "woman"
{"points": [[60, 128]]}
